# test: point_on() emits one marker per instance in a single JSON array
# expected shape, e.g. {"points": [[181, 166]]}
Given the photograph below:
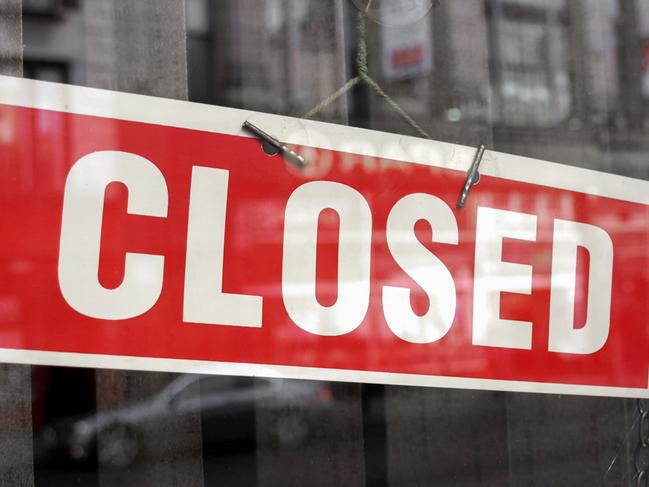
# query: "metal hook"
{"points": [[472, 177], [290, 155]]}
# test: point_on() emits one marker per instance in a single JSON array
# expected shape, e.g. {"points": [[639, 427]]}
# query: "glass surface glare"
{"points": [[558, 80]]}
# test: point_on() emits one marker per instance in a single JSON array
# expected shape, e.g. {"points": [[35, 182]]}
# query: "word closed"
{"points": [[206, 302]]}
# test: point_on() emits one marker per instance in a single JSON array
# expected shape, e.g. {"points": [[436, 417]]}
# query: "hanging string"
{"points": [[333, 97], [364, 77]]}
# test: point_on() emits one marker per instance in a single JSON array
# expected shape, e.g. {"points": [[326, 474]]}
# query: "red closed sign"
{"points": [[155, 234]]}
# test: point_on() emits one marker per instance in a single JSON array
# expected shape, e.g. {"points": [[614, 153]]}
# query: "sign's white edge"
{"points": [[175, 113], [196, 116], [68, 359]]}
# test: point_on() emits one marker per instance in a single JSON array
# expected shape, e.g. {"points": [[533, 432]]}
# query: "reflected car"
{"points": [[225, 404]]}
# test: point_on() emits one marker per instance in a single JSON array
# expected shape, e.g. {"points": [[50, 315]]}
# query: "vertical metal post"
{"points": [[150, 58], [16, 450]]}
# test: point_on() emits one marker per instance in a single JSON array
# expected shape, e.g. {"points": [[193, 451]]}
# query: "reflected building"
{"points": [[548, 79], [552, 79], [560, 80]]}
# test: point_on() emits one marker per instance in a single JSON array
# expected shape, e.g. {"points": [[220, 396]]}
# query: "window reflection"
{"points": [[530, 61], [553, 79]]}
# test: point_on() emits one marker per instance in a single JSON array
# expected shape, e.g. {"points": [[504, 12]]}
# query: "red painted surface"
{"points": [[37, 148]]}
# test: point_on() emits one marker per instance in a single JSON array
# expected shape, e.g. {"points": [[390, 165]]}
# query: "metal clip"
{"points": [[288, 154], [472, 177]]}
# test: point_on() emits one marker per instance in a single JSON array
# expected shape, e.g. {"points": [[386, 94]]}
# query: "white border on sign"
{"points": [[195, 116], [67, 359]]}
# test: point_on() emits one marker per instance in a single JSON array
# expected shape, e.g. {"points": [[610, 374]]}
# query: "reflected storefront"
{"points": [[179, 304]]}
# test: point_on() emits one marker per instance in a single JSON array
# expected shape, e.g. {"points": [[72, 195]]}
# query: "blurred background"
{"points": [[566, 81]]}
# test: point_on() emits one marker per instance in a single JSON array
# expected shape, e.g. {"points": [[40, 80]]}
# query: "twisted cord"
{"points": [[363, 76], [333, 97]]}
